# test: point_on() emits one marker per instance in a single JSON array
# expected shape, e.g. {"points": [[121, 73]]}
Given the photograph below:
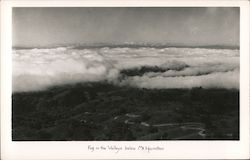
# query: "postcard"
{"points": [[124, 79]]}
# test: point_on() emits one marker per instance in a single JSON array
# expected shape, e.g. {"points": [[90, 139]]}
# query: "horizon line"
{"points": [[130, 44]]}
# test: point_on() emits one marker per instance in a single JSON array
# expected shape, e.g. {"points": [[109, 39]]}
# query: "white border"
{"points": [[78, 150]]}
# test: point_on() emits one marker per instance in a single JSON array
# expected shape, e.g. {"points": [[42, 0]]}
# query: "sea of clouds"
{"points": [[38, 69]]}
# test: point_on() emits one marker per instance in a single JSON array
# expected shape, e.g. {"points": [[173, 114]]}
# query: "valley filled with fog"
{"points": [[125, 93], [142, 67]]}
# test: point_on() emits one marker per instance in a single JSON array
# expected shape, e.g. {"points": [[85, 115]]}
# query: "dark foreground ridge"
{"points": [[102, 111]]}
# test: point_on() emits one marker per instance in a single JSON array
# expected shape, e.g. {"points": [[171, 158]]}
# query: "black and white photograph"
{"points": [[124, 79], [125, 73]]}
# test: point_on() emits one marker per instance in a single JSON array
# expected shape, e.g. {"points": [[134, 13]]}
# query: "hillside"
{"points": [[102, 111]]}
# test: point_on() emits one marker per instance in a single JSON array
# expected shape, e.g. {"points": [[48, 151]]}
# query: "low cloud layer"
{"points": [[38, 69]]}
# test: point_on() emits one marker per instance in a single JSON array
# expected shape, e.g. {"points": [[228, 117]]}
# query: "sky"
{"points": [[41, 27]]}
